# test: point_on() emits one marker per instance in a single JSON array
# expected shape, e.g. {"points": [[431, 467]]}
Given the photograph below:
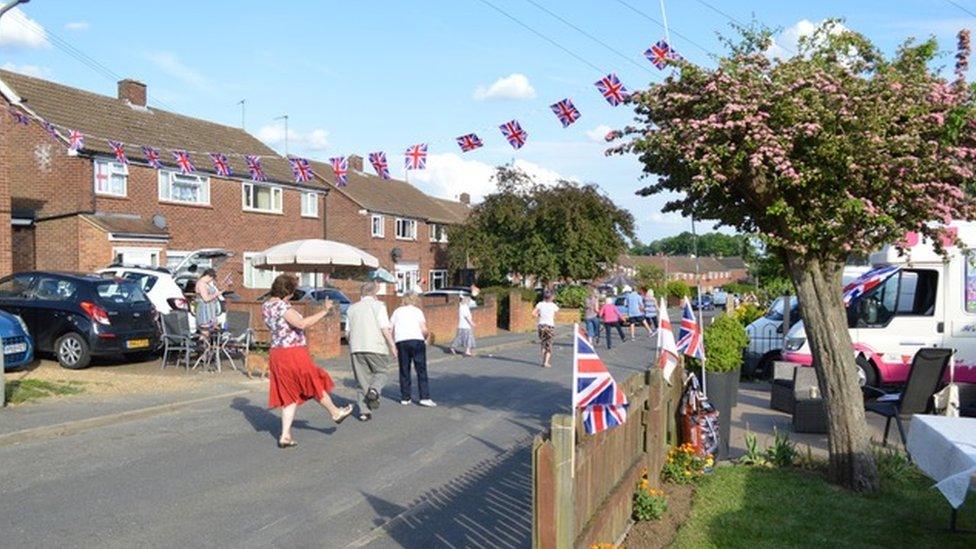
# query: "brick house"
{"points": [[404, 228], [714, 272], [81, 211]]}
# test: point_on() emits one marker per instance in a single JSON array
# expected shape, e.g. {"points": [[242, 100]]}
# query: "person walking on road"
{"points": [[465, 330], [591, 316], [650, 310], [294, 376], [410, 335], [370, 337], [545, 313], [635, 311], [611, 319]]}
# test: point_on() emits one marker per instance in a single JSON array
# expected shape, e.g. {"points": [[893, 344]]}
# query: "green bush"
{"points": [[783, 452], [740, 288], [678, 289], [649, 504], [572, 297], [725, 339], [747, 313]]}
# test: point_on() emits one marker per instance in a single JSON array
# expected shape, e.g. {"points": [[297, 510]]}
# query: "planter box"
{"points": [[721, 387]]}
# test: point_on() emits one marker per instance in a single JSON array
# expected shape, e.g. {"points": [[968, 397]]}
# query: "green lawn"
{"points": [[754, 507], [21, 391]]}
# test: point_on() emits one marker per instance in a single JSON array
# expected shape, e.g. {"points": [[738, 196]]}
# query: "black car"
{"points": [[77, 316]]}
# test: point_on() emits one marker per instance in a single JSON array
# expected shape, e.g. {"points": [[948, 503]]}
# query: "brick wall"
{"points": [[519, 313], [23, 248]]}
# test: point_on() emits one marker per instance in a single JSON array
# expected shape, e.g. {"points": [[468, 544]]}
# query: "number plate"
{"points": [[14, 348], [137, 343]]}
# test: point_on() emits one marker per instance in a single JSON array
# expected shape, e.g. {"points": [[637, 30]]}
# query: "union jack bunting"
{"points": [[566, 112], [221, 166], [514, 133], [183, 161], [469, 142], [867, 282], [19, 117], [613, 91], [378, 160], [76, 140], [301, 170], [667, 349], [595, 391], [416, 157], [50, 129], [689, 335], [340, 165], [661, 53], [119, 150], [254, 166], [152, 156]]}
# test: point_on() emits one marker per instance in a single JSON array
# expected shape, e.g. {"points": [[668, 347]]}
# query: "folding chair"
{"points": [[238, 336], [177, 336]]}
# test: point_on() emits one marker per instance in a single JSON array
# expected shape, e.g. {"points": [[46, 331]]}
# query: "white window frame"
{"points": [[434, 227], [404, 222], [113, 168], [441, 274], [248, 188], [154, 253], [166, 179], [310, 204], [382, 225], [249, 272]]}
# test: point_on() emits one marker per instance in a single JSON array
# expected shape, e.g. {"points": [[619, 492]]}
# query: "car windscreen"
{"points": [[120, 292], [332, 295], [143, 280]]}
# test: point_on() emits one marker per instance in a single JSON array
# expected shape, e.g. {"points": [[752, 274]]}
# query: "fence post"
{"points": [[562, 442], [655, 427]]}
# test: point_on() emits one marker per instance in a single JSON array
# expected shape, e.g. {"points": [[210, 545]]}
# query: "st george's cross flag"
{"points": [[76, 140], [301, 170], [690, 341], [595, 391], [661, 53], [254, 166], [340, 165], [221, 166], [469, 142], [612, 89], [566, 112], [183, 161], [415, 157], [514, 133], [119, 150], [378, 160], [152, 156], [667, 349]]}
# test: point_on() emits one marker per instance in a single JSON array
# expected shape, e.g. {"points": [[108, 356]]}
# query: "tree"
{"points": [[565, 231], [653, 277], [709, 244], [836, 150]]}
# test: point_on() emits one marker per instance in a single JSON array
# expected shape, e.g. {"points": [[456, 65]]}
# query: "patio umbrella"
{"points": [[381, 275], [315, 255]]}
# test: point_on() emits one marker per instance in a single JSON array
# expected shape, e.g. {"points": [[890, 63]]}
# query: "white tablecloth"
{"points": [[944, 448]]}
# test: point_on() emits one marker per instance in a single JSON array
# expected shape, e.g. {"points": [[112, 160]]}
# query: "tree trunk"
{"points": [[818, 285]]}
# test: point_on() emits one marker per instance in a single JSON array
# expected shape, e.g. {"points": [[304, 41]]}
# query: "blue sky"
{"points": [[356, 77]]}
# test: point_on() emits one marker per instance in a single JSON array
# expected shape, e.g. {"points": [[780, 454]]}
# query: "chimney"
{"points": [[355, 162], [465, 199], [132, 91]]}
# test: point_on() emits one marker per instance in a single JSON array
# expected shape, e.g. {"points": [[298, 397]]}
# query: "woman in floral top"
{"points": [[294, 377]]}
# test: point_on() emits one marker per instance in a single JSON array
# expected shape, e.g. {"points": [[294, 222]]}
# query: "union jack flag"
{"points": [[613, 91], [50, 129], [152, 156], [416, 157], [221, 166], [667, 349], [867, 282], [76, 140], [340, 165], [119, 149], [254, 166], [301, 170], [661, 53], [566, 112], [183, 161], [19, 117], [514, 133], [690, 340], [469, 142], [378, 160], [595, 391]]}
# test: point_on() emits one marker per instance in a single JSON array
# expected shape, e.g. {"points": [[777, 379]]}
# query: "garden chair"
{"points": [[177, 336], [927, 372], [238, 336]]}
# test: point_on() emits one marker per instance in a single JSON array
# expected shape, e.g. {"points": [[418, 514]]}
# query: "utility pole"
{"points": [[285, 118]]}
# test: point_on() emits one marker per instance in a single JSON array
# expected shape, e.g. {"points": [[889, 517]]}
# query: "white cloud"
{"points": [[513, 86], [170, 64], [19, 31], [449, 175], [786, 43], [29, 70], [77, 26], [274, 135], [317, 140], [599, 133]]}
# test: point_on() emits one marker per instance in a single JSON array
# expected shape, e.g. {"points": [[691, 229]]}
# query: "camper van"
{"points": [[919, 299]]}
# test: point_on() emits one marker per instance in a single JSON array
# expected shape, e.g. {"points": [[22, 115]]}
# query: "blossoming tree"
{"points": [[836, 150]]}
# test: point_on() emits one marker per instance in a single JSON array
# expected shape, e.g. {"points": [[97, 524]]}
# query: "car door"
{"points": [[52, 297], [15, 293]]}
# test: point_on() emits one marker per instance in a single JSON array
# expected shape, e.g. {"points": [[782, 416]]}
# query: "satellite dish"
{"points": [[396, 254], [159, 220]]}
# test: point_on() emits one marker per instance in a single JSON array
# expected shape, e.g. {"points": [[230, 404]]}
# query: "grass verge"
{"points": [[23, 390]]}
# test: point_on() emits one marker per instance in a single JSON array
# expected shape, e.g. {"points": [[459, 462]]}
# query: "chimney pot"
{"points": [[132, 91], [466, 198], [355, 162]]}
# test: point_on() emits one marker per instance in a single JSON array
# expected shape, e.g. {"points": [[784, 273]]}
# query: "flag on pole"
{"points": [[183, 161], [119, 149], [469, 142], [378, 160], [152, 156], [221, 166], [667, 349], [595, 392], [254, 166], [76, 140], [690, 340], [416, 157], [340, 165], [612, 89], [566, 112]]}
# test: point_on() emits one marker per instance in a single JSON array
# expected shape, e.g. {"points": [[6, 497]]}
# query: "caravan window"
{"points": [[908, 293], [971, 283]]}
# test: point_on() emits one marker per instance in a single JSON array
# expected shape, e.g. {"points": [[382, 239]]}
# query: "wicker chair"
{"points": [[781, 391]]}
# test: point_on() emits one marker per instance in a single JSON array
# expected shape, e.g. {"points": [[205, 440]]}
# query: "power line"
{"points": [[660, 24], [963, 8]]}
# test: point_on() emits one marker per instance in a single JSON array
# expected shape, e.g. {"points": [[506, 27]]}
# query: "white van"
{"points": [[909, 301]]}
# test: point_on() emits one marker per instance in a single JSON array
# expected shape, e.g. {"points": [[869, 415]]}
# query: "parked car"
{"points": [[18, 347], [720, 298], [449, 291], [309, 293], [706, 303], [76, 316]]}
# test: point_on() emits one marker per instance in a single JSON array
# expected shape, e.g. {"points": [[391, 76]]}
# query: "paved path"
{"points": [[210, 473]]}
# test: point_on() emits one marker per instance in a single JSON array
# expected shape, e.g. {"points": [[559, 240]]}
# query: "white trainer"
{"points": [[428, 403], [405, 402]]}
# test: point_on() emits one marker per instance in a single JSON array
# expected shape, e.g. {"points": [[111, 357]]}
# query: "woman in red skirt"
{"points": [[294, 377]]}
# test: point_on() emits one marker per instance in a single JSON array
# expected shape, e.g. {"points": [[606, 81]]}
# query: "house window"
{"points": [[315, 280], [181, 187], [438, 279], [406, 229], [438, 232], [262, 198], [148, 257], [310, 205], [378, 226], [257, 278], [110, 178]]}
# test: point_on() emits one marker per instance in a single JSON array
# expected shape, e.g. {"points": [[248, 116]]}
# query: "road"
{"points": [[210, 474]]}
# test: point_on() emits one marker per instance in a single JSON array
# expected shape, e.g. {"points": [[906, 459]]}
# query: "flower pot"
{"points": [[735, 389], [721, 388]]}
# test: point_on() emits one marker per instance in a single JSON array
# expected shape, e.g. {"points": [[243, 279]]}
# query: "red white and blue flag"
{"points": [[690, 340], [514, 133], [667, 349], [469, 142], [76, 140], [119, 149], [254, 166], [867, 282], [183, 161], [152, 156], [51, 130], [340, 165], [661, 53], [595, 391], [378, 160], [301, 170], [19, 117], [613, 91], [221, 166], [416, 157], [566, 112]]}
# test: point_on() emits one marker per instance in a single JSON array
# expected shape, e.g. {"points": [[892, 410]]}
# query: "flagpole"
{"points": [[701, 332], [664, 18], [572, 409]]}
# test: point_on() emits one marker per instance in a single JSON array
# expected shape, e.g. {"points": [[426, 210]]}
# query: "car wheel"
{"points": [[72, 351], [867, 374]]}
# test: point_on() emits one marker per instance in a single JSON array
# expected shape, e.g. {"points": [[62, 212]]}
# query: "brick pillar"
{"points": [[6, 232], [325, 337]]}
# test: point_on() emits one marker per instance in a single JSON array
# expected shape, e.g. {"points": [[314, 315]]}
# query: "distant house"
{"points": [[712, 272]]}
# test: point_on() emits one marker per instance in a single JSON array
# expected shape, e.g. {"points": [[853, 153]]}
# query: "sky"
{"points": [[358, 77]]}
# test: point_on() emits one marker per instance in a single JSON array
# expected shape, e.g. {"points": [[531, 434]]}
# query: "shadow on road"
{"points": [[263, 420]]}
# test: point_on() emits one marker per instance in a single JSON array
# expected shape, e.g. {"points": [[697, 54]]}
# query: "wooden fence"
{"points": [[576, 503]]}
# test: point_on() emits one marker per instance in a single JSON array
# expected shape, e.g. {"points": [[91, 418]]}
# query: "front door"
{"points": [[408, 277]]}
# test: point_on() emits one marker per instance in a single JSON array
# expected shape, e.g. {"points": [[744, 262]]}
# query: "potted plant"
{"points": [[725, 339]]}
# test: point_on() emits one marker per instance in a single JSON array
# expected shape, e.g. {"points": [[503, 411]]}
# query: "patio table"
{"points": [[944, 448]]}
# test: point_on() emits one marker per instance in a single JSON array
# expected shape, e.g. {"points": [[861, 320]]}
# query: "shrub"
{"points": [[649, 504], [753, 456], [783, 452], [747, 313], [740, 288], [572, 297], [725, 339], [685, 464], [678, 289]]}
